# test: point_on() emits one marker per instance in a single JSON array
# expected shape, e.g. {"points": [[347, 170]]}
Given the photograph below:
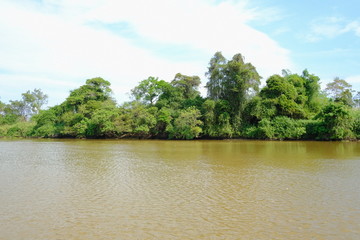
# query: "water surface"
{"points": [[131, 189]]}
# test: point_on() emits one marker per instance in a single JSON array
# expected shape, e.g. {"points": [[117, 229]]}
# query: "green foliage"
{"points": [[340, 91], [101, 124], [149, 90], [33, 101], [337, 122], [287, 128], [187, 125], [286, 94], [258, 109], [187, 85], [3, 130], [10, 118], [30, 104], [88, 112], [209, 118], [14, 117], [144, 119], [356, 123], [96, 89], [290, 106], [46, 130], [19, 129], [216, 119], [172, 97], [265, 130], [234, 81], [312, 89], [224, 127], [45, 124], [356, 100], [215, 74], [280, 128]]}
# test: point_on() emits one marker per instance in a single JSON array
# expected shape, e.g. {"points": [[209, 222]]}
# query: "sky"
{"points": [[55, 45]]}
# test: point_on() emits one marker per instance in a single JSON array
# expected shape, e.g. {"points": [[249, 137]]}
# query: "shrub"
{"points": [[287, 128]]}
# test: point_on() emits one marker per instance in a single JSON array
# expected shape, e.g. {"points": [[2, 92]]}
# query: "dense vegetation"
{"points": [[289, 106]]}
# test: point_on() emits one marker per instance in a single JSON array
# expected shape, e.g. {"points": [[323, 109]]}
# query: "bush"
{"points": [[287, 128], [187, 125], [20, 129], [279, 128], [356, 124], [266, 130], [3, 130], [337, 122], [315, 129], [47, 130]]}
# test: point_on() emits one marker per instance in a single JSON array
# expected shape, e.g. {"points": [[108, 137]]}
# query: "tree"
{"points": [[217, 119], [34, 101], [215, 74], [286, 94], [96, 89], [357, 100], [2, 108], [89, 111], [40, 99], [340, 91], [209, 118], [29, 105], [234, 81], [18, 108], [45, 123], [312, 87], [241, 80], [188, 85], [186, 125], [149, 90], [102, 121], [143, 119], [337, 122]]}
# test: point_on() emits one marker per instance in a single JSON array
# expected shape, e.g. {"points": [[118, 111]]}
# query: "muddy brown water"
{"points": [[150, 189]]}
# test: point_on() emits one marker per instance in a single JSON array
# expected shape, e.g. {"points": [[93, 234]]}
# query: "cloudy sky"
{"points": [[55, 45]]}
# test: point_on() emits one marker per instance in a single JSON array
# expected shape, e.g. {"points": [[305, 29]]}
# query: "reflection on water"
{"points": [[110, 189]]}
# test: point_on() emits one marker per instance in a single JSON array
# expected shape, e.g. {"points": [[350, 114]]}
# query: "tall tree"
{"points": [[187, 84], [281, 93], [2, 108], [312, 85], [96, 89], [17, 108], [340, 91], [337, 121], [215, 74], [241, 80], [233, 81], [357, 100], [149, 90], [34, 100]]}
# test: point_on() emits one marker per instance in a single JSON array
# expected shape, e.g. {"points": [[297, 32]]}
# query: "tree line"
{"points": [[289, 106]]}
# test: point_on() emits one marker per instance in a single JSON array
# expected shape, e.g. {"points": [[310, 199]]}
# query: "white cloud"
{"points": [[53, 41], [354, 81], [206, 27], [332, 27], [353, 26], [12, 85]]}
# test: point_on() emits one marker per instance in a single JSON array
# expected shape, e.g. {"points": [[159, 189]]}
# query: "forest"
{"points": [[288, 107]]}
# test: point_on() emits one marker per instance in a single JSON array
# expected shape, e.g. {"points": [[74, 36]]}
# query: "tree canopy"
{"points": [[288, 106]]}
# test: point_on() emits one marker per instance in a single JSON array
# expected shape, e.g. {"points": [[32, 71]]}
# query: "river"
{"points": [[152, 189]]}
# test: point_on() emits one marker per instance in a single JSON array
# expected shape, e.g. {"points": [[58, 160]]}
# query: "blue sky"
{"points": [[323, 36], [56, 45]]}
